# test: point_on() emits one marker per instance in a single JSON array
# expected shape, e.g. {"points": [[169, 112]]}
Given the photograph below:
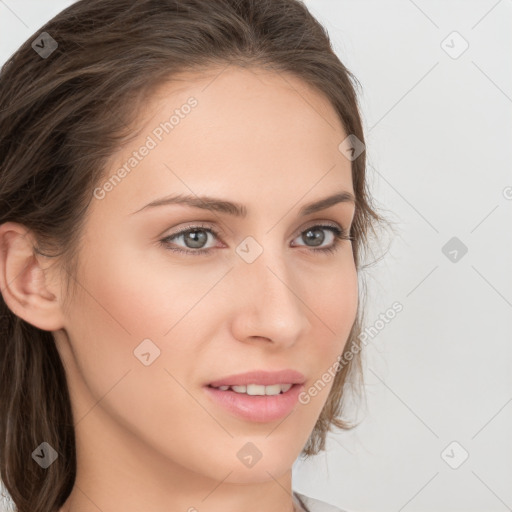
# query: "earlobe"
{"points": [[23, 282]]}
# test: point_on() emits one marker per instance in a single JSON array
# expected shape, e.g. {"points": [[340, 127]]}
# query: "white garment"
{"points": [[6, 503], [312, 504]]}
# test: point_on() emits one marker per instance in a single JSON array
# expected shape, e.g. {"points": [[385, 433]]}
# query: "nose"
{"points": [[270, 301]]}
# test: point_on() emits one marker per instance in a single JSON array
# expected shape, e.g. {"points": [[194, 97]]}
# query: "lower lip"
{"points": [[257, 408]]}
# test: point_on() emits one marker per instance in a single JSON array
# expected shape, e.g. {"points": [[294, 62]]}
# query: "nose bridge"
{"points": [[268, 303]]}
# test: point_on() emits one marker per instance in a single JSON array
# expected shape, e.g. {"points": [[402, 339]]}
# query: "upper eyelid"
{"points": [[219, 232]]}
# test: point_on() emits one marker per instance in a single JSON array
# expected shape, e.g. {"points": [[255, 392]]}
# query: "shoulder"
{"points": [[314, 505]]}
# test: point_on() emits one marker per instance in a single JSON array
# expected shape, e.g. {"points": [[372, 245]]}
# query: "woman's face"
{"points": [[150, 327]]}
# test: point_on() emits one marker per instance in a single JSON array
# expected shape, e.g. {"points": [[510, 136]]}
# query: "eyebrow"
{"points": [[239, 210]]}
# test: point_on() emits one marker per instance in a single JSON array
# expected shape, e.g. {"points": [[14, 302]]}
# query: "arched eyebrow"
{"points": [[239, 210]]}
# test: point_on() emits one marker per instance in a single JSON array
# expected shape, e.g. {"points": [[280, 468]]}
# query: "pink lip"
{"points": [[259, 409], [262, 378]]}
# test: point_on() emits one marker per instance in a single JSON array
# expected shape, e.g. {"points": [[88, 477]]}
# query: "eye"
{"points": [[315, 235], [196, 237]]}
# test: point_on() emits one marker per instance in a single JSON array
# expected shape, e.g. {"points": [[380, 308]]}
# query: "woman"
{"points": [[183, 210]]}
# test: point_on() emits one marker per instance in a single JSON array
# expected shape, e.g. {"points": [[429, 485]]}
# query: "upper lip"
{"points": [[260, 377]]}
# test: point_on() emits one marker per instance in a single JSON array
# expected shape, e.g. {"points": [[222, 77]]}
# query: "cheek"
{"points": [[123, 302], [128, 296], [335, 305], [335, 302], [145, 293]]}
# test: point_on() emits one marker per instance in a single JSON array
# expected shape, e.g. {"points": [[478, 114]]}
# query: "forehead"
{"points": [[234, 131]]}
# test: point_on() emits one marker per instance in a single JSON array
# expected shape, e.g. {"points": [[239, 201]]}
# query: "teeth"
{"points": [[257, 389], [253, 389]]}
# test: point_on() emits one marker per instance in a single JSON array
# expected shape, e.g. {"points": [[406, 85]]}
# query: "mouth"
{"points": [[255, 402], [260, 378], [256, 389]]}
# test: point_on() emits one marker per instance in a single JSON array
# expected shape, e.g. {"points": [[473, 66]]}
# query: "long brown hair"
{"points": [[63, 115]]}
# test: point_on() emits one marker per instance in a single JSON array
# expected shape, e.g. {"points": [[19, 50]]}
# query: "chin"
{"points": [[251, 462], [259, 473]]}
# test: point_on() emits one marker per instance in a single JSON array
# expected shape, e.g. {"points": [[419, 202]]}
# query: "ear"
{"points": [[24, 284]]}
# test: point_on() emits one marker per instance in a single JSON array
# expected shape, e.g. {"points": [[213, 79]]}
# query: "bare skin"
{"points": [[148, 437]]}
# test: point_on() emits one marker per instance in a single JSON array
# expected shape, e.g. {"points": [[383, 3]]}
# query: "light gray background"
{"points": [[439, 149]]}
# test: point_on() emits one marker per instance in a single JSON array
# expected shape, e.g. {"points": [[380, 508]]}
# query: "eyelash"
{"points": [[339, 235]]}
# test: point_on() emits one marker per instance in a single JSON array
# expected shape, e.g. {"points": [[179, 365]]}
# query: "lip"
{"points": [[260, 377], [256, 408]]}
